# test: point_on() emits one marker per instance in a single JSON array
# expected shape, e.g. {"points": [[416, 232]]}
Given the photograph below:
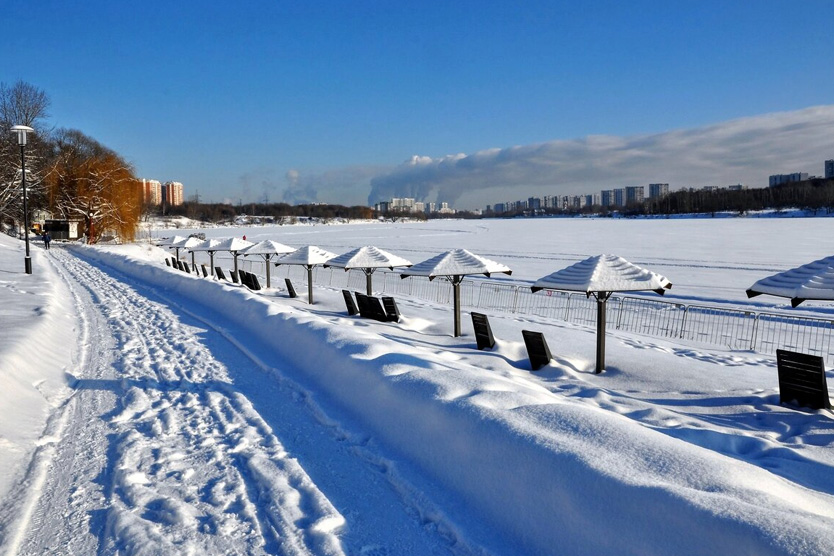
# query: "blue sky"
{"points": [[317, 100]]}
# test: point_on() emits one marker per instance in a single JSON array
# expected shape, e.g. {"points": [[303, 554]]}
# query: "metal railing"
{"points": [[738, 329]]}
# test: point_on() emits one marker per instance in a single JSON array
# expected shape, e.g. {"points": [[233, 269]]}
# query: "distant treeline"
{"points": [[218, 212], [815, 195]]}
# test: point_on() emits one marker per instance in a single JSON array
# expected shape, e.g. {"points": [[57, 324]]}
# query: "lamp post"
{"points": [[22, 134]]}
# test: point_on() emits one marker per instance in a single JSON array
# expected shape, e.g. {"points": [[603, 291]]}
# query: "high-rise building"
{"points": [[619, 197], [634, 194], [607, 197], [172, 192], [779, 179], [657, 190], [829, 169], [151, 192]]}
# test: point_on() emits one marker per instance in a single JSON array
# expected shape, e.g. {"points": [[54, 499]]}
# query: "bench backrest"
{"points": [[219, 273], [537, 350], [254, 283], [351, 306], [167, 262], [370, 307], [391, 309], [802, 379], [483, 331], [290, 288], [205, 270]]}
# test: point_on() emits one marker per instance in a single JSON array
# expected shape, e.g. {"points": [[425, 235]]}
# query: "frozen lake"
{"points": [[707, 259]]}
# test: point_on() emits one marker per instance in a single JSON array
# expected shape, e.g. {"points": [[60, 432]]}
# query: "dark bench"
{"points": [[391, 309], [255, 284], [802, 379], [249, 280], [167, 262], [205, 270], [185, 268], [537, 350], [370, 307], [233, 274], [483, 332], [351, 306], [219, 273], [290, 288]]}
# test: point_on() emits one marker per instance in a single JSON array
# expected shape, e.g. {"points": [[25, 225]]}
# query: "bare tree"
{"points": [[21, 104], [87, 181]]}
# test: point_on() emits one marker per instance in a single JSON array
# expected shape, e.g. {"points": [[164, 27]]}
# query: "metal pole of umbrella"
{"points": [[193, 262], [267, 257], [310, 284], [369, 281], [456, 280], [235, 256], [211, 262], [602, 298]]}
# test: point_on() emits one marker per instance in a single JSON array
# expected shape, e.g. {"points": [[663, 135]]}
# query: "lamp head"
{"points": [[22, 132]]}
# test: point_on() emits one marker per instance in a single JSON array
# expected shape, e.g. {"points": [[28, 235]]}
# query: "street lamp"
{"points": [[22, 133]]}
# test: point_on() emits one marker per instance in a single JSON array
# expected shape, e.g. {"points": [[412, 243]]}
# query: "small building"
{"points": [[68, 230]]}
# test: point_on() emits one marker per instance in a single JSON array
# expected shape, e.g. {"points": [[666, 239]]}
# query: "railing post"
{"points": [[620, 313], [515, 299], [567, 308], [755, 332], [683, 320]]}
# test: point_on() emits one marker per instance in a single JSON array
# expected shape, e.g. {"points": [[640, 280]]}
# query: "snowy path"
{"points": [[162, 451]]}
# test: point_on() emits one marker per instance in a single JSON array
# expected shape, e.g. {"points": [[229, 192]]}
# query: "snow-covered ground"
{"points": [[146, 411]]}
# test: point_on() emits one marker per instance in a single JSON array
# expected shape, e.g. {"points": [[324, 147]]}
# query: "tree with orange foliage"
{"points": [[85, 180]]}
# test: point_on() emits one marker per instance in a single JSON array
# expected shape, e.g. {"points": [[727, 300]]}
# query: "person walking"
{"points": [[46, 239]]}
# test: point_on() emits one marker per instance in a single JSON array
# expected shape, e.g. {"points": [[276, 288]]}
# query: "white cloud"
{"points": [[745, 150]]}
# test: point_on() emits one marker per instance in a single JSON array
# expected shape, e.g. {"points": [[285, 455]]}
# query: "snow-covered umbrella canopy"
{"points": [[308, 257], [170, 242], [457, 262], [210, 246], [186, 243], [233, 245], [810, 281], [368, 259], [600, 276], [454, 265], [267, 249], [603, 273]]}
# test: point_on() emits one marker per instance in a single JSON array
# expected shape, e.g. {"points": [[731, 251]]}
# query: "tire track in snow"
{"points": [[192, 468]]}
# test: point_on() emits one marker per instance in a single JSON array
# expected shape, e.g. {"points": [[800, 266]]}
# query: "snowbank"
{"points": [[546, 470]]}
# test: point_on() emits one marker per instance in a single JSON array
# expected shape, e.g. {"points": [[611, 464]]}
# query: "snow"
{"points": [[368, 257], [603, 273], [308, 255], [155, 412], [231, 244], [210, 244], [457, 262], [267, 247], [814, 280]]}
